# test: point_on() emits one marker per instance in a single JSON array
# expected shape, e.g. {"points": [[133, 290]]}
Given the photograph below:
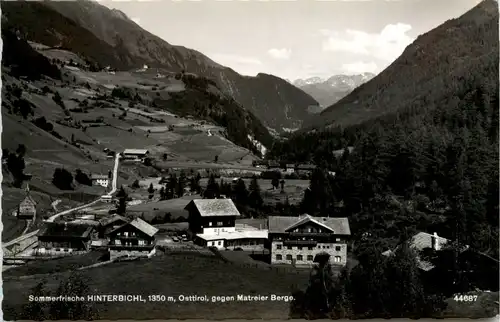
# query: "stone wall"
{"points": [[330, 248]]}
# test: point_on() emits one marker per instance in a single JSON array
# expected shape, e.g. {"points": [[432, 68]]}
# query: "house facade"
{"points": [[135, 238], [297, 240], [100, 180], [27, 207], [135, 154], [212, 223], [212, 216], [64, 238]]}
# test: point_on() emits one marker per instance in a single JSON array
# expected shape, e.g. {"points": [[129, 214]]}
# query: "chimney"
{"points": [[435, 241]]}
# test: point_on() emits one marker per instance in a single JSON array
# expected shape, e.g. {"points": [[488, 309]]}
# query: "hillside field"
{"points": [[169, 275]]}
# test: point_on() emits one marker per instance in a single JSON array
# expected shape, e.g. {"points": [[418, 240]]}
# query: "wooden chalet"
{"points": [[134, 238], [57, 238], [211, 215]]}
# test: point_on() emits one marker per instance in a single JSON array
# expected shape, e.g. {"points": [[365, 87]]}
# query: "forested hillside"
{"points": [[429, 167], [431, 71]]}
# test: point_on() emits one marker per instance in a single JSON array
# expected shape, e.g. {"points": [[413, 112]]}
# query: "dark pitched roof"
{"points": [[214, 207], [280, 224], [141, 225], [110, 220], [65, 230]]}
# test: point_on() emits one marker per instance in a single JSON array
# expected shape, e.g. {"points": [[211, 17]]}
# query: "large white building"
{"points": [[297, 240], [212, 222]]}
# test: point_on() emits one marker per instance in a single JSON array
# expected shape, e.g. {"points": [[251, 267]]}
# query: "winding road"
{"points": [[52, 218], [113, 190]]}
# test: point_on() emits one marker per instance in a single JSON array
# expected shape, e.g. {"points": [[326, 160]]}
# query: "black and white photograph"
{"points": [[250, 159]]}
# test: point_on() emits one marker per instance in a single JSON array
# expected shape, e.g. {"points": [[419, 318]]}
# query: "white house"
{"points": [[135, 154], [290, 168], [213, 223], [100, 180]]}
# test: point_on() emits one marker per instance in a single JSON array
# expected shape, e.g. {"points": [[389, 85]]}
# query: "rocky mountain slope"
{"points": [[331, 90], [429, 71], [111, 38]]}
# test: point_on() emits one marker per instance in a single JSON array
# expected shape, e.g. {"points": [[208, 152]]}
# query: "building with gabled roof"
{"points": [[212, 223], [135, 154], [420, 242], [57, 238], [207, 216], [100, 180], [134, 238], [458, 263], [26, 208], [297, 240]]}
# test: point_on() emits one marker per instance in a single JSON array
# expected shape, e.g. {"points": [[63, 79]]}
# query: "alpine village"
{"points": [[146, 181]]}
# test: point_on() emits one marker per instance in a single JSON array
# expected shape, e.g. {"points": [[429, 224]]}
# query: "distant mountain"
{"points": [[431, 71], [109, 37], [331, 90], [308, 81]]}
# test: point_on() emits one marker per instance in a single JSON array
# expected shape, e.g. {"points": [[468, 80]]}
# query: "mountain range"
{"points": [[329, 91], [108, 37], [428, 72]]}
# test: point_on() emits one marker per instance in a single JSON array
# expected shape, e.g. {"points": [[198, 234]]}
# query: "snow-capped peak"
{"points": [[308, 81]]}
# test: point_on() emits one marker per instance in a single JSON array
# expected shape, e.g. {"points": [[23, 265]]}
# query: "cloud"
{"points": [[360, 67], [136, 20], [386, 45], [282, 53], [242, 64]]}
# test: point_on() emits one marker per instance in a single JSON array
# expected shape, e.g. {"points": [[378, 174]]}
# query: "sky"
{"points": [[294, 39]]}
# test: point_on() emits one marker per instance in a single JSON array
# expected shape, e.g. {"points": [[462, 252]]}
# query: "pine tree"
{"points": [[73, 310], [255, 199], [122, 201], [35, 310], [151, 191], [213, 190], [241, 193]]}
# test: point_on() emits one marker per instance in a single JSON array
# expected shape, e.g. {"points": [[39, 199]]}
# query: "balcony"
{"points": [[308, 234], [307, 243], [131, 247]]}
